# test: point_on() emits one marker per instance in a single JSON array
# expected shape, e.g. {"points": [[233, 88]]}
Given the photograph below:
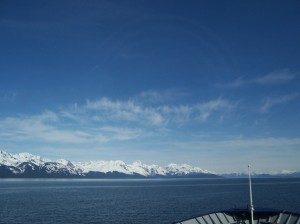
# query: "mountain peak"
{"points": [[137, 163]]}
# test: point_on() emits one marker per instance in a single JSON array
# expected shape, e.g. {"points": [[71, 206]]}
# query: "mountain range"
{"points": [[26, 165]]}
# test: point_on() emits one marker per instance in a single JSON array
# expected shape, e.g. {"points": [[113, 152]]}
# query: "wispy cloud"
{"points": [[271, 102], [7, 96], [133, 111], [277, 77], [49, 128], [234, 84], [158, 97], [45, 127], [106, 120], [207, 108], [124, 111]]}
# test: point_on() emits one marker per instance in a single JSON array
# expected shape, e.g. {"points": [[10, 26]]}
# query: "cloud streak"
{"points": [[269, 102], [277, 77], [135, 112], [158, 97], [43, 128], [106, 120], [123, 111]]}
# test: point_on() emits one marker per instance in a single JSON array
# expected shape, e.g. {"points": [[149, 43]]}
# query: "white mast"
{"points": [[250, 188]]}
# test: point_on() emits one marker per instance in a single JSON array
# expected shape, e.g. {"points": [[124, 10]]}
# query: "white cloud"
{"points": [[157, 97], [271, 102], [207, 108], [43, 128], [106, 120], [180, 114], [235, 84], [132, 112], [124, 111], [38, 129], [275, 78], [195, 112]]}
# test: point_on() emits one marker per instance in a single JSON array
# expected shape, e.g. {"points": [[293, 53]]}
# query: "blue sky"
{"points": [[214, 84]]}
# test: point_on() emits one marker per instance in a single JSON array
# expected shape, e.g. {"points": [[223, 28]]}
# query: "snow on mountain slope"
{"points": [[17, 159], [147, 170], [25, 161], [136, 167], [21, 162], [7, 159], [104, 166], [56, 167], [66, 164], [183, 169]]}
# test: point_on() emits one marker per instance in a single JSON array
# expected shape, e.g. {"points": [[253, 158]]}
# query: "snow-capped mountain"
{"points": [[28, 165], [16, 159], [119, 166], [183, 169]]}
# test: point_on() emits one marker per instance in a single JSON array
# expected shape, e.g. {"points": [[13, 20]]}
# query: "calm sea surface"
{"points": [[136, 201]]}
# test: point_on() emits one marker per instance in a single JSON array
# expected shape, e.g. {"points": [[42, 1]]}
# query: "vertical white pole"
{"points": [[250, 188]]}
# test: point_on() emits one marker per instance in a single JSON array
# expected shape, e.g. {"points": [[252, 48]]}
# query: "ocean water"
{"points": [[33, 201]]}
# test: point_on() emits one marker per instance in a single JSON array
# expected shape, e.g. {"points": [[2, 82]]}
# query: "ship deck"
{"points": [[242, 216]]}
